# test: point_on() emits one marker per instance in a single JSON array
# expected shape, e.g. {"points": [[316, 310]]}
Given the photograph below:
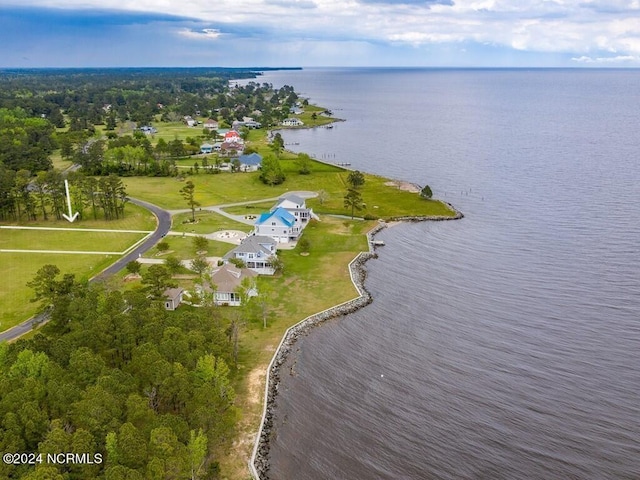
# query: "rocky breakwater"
{"points": [[259, 463]]}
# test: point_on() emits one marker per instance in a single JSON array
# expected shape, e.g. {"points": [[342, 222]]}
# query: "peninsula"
{"points": [[216, 197]]}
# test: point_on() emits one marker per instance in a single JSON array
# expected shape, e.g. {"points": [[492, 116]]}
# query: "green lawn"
{"points": [[16, 269], [182, 247], [67, 240], [381, 200], [206, 222]]}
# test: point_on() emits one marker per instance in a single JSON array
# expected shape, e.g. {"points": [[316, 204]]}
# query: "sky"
{"points": [[308, 33]]}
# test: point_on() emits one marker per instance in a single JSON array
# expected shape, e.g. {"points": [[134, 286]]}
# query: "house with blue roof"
{"points": [[250, 162], [278, 224]]}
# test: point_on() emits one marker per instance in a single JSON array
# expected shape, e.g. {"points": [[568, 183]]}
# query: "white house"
{"points": [[278, 224], [256, 251], [292, 122], [250, 162], [296, 206]]}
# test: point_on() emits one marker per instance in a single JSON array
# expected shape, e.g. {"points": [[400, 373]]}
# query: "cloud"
{"points": [[607, 60], [302, 4], [416, 30], [203, 34], [421, 3]]}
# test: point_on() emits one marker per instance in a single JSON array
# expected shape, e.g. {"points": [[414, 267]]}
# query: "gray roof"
{"points": [[292, 198], [253, 244], [228, 277]]}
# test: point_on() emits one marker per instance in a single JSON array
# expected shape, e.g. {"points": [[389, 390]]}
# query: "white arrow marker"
{"points": [[69, 217]]}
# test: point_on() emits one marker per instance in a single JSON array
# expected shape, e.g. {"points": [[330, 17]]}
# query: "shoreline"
{"points": [[259, 461]]}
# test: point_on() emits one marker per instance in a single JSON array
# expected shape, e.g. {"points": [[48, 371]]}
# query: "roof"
{"points": [[253, 244], [292, 198], [228, 277], [279, 214], [251, 159], [173, 293]]}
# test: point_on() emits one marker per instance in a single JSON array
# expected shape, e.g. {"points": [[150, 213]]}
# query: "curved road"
{"points": [[162, 228]]}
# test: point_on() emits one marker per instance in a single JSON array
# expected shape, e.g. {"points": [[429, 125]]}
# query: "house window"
{"points": [[251, 255]]}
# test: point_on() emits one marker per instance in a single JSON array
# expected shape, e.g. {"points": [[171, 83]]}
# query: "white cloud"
{"points": [[607, 60], [573, 28], [203, 34]]}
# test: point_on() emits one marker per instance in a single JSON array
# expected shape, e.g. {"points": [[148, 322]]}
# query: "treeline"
{"points": [[82, 98], [115, 374], [25, 142], [27, 198]]}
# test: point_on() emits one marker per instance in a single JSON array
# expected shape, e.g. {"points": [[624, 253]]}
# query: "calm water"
{"points": [[501, 346]]}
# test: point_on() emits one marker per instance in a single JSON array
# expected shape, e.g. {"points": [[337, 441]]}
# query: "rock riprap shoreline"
{"points": [[259, 462]]}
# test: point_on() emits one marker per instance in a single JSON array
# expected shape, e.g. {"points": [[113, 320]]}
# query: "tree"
{"points": [[277, 144], [353, 200], [173, 264], [355, 179], [271, 172], [199, 265], [197, 447], [188, 193], [133, 267], [200, 243], [304, 245], [426, 192], [47, 288], [158, 279], [304, 164], [162, 246], [323, 196]]}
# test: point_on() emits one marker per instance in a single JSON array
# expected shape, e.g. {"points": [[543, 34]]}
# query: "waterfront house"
{"points": [[296, 206], [256, 251], [277, 224], [228, 280], [292, 122], [172, 298]]}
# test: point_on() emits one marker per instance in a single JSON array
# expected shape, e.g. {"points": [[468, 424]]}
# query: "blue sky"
{"points": [[232, 33]]}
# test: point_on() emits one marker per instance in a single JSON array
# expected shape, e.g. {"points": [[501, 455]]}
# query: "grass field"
{"points": [[16, 269], [67, 240], [182, 247], [381, 200], [206, 222]]}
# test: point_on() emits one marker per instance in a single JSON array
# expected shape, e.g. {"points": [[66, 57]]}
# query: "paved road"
{"points": [[162, 228]]}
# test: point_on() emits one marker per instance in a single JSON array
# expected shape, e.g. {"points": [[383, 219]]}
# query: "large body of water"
{"points": [[505, 345]]}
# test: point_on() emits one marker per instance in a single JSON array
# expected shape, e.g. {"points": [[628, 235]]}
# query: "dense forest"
{"points": [[115, 374]]}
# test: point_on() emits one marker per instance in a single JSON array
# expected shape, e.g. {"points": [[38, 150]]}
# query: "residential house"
{"points": [[250, 162], [148, 130], [211, 124], [172, 298], [296, 206], [206, 148], [227, 280], [279, 225], [231, 148], [292, 122], [256, 251], [191, 122]]}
